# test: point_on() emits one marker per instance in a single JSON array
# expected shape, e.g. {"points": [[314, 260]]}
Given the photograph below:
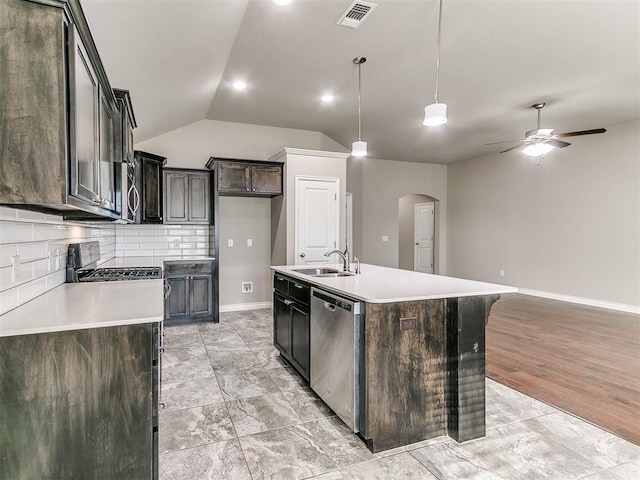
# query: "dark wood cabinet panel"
{"points": [[201, 300], [281, 325], [78, 404], [152, 201], [108, 119], [246, 177], [191, 293], [266, 179], [177, 303], [300, 339], [187, 198], [125, 127], [291, 322], [234, 178]]}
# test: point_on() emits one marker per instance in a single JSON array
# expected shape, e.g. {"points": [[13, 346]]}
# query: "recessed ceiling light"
{"points": [[327, 98], [239, 85], [282, 2]]}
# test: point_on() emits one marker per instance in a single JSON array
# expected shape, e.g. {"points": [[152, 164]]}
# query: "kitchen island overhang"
{"points": [[422, 345]]}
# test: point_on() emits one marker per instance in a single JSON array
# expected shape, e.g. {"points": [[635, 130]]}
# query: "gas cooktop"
{"points": [[82, 266]]}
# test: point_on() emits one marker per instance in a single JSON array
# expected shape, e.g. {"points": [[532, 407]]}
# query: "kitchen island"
{"points": [[421, 346], [79, 382]]}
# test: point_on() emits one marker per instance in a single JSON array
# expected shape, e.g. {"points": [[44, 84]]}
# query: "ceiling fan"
{"points": [[539, 141]]}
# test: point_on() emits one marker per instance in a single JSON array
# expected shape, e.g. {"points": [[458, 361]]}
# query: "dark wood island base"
{"points": [[423, 364]]}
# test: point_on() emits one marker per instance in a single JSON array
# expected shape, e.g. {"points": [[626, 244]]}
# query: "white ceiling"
{"points": [[177, 57]]}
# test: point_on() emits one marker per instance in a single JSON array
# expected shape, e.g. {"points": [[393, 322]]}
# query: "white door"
{"points": [[424, 227], [317, 214]]}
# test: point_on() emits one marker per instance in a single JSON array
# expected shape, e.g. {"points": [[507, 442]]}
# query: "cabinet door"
{"points": [[300, 340], [282, 325], [176, 197], [266, 179], [84, 129], [201, 296], [151, 191], [198, 198], [108, 119], [176, 305], [233, 178]]}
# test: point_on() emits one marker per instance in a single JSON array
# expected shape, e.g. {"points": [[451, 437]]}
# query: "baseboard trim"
{"points": [[240, 307], [621, 307]]}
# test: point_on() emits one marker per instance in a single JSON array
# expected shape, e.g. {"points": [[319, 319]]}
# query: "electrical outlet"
{"points": [[49, 256], [247, 287], [57, 259], [176, 243], [385, 238], [249, 242], [502, 273], [230, 243]]}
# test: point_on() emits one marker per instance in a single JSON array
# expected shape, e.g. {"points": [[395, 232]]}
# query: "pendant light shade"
{"points": [[436, 113], [359, 148]]}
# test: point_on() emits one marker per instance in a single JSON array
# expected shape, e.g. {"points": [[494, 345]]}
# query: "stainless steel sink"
{"points": [[323, 272]]}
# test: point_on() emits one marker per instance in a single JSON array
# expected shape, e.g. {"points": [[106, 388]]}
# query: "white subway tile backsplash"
{"points": [[8, 300], [41, 242], [15, 232], [161, 240]]}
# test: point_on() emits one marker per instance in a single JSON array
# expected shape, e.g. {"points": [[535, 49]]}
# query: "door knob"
{"points": [[302, 255]]}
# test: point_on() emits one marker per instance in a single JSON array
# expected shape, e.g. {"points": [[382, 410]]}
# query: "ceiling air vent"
{"points": [[356, 13]]}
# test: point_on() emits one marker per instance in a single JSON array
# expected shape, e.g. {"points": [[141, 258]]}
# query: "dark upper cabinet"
{"points": [[58, 115], [126, 124], [150, 166], [247, 178], [187, 197]]}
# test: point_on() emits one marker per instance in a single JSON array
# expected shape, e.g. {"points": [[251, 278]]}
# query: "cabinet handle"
{"points": [[298, 286], [288, 302]]}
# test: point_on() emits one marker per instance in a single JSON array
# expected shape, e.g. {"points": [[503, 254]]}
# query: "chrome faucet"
{"points": [[345, 259]]}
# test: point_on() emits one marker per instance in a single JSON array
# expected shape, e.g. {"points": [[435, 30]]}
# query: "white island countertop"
{"points": [[74, 306], [377, 284]]}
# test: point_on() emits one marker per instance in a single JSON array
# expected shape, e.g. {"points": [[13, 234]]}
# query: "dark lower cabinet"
{"points": [[291, 322], [80, 404], [189, 293]]}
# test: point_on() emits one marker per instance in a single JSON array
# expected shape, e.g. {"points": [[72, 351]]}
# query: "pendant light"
{"points": [[359, 148], [436, 113]]}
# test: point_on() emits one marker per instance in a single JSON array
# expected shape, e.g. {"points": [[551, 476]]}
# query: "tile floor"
{"points": [[235, 411]]}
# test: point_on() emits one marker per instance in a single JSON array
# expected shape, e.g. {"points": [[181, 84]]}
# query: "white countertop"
{"points": [[387, 285], [149, 261], [74, 306]]}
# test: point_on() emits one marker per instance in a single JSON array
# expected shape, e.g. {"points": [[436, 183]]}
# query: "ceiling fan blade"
{"points": [[507, 141], [557, 143], [581, 132], [509, 149]]}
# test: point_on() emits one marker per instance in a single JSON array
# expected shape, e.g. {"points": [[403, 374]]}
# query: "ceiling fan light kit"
{"points": [[436, 113], [540, 141], [359, 148]]}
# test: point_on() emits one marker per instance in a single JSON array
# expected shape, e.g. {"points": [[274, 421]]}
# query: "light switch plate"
{"points": [[230, 243], [249, 242]]}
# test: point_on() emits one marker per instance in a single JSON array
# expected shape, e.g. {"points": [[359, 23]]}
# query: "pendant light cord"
{"points": [[359, 94], [438, 55]]}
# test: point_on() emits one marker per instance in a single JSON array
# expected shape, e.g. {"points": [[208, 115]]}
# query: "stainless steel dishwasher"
{"points": [[335, 354]]}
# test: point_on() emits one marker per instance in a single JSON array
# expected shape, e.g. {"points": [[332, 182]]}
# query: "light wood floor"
{"points": [[584, 360]]}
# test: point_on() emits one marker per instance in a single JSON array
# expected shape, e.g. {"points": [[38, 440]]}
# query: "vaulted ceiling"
{"points": [[498, 57]]}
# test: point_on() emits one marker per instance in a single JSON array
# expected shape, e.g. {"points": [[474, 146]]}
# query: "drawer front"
{"points": [[281, 284], [188, 268], [299, 291]]}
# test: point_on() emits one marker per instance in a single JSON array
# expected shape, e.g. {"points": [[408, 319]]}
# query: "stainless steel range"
{"points": [[82, 261]]}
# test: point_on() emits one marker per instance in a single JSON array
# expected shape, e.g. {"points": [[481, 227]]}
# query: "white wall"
{"points": [[383, 183], [570, 226], [191, 146]]}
